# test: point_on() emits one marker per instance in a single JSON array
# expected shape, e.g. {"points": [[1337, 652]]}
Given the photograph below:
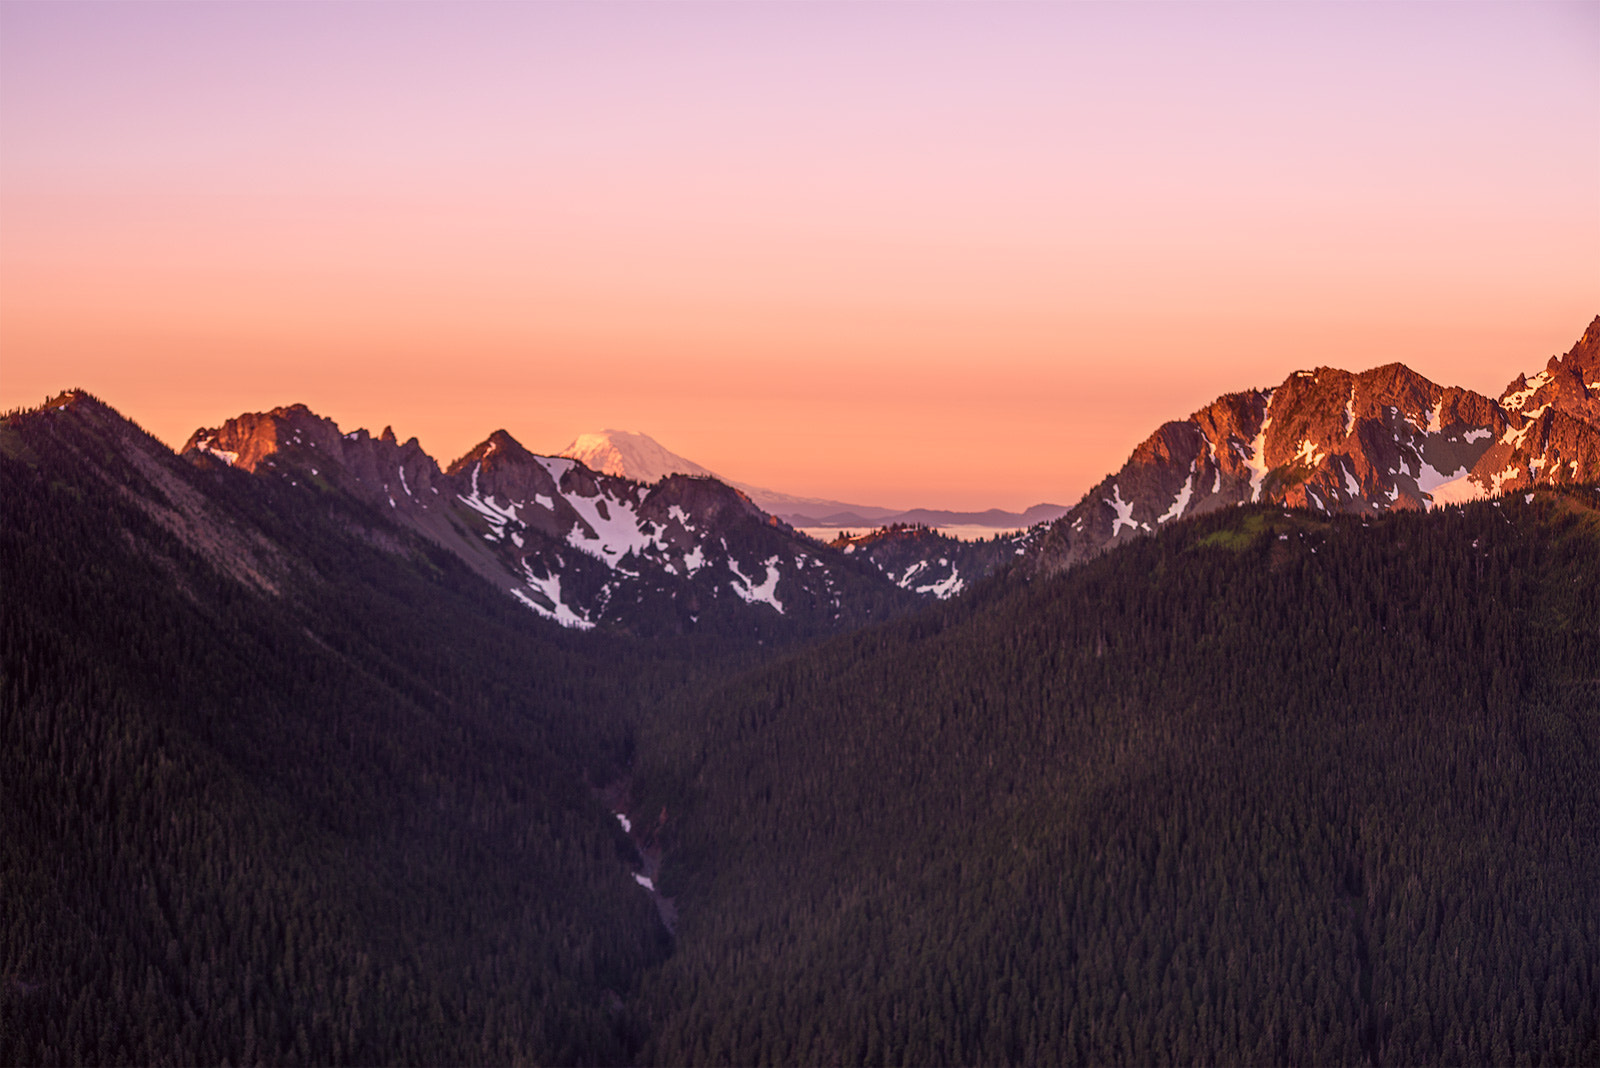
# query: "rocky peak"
{"points": [[1569, 383], [85, 407], [1336, 441], [69, 397], [300, 444], [500, 469], [247, 441], [713, 501], [497, 451], [146, 474]]}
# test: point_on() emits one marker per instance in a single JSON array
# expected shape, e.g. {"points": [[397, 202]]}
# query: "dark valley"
{"points": [[1279, 746]]}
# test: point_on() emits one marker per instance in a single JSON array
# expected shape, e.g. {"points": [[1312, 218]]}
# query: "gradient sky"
{"points": [[950, 255]]}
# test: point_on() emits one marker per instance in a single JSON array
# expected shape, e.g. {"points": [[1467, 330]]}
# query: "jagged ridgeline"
{"points": [[1333, 441], [686, 554], [1264, 788], [280, 783], [1279, 747]]}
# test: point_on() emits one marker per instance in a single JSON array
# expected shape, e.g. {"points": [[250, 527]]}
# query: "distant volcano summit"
{"points": [[630, 455], [640, 457]]}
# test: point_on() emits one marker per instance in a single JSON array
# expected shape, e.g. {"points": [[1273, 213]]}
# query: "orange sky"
{"points": [[943, 255]]}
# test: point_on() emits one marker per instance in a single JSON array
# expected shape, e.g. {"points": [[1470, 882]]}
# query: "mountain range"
{"points": [[1333, 441], [574, 545], [619, 531], [1325, 438], [1279, 747]]}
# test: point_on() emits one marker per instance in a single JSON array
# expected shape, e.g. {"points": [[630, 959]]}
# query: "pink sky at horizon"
{"points": [[942, 255]]}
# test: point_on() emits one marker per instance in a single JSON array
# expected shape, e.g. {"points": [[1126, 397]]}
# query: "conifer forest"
{"points": [[1268, 786]]}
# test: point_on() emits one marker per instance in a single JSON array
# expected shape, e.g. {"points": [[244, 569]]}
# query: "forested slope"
{"points": [[283, 782], [272, 792], [1261, 789]]}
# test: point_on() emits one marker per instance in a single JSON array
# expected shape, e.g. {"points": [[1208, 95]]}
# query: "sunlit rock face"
{"points": [[1334, 441], [1569, 383], [375, 469]]}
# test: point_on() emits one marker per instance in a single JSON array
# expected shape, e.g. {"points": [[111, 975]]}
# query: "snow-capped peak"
{"points": [[630, 455]]}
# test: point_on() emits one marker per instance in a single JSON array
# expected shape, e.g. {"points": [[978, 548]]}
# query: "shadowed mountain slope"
{"points": [[585, 549], [284, 782], [1265, 787], [283, 779]]}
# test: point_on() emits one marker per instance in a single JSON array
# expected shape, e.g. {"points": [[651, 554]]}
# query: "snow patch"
{"points": [[1308, 453], [555, 465], [551, 589], [1499, 478], [496, 515], [1351, 486], [1439, 487], [205, 445], [615, 526], [1257, 463], [1515, 438], [1124, 510], [1522, 396], [946, 588], [747, 589], [1180, 504]]}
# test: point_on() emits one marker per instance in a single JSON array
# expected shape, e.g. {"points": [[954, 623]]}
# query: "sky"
{"points": [[950, 255]]}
